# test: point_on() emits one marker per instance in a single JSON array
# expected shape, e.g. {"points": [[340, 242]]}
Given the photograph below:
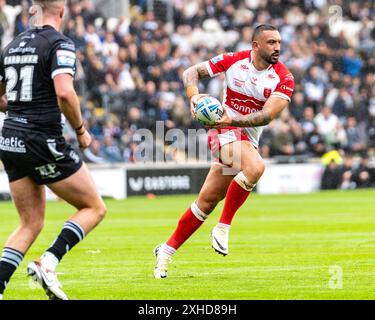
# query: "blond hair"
{"points": [[49, 5]]}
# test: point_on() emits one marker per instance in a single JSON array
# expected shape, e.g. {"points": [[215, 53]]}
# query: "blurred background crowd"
{"points": [[129, 73]]}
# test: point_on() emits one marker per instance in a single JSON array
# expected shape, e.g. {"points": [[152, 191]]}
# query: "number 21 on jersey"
{"points": [[26, 78]]}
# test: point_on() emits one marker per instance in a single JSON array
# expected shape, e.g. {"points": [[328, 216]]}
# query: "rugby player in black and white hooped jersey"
{"points": [[36, 77]]}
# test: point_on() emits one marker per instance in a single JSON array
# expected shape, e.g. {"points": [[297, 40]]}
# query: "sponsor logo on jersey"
{"points": [[12, 144], [32, 36], [66, 58], [244, 67], [23, 43], [286, 88], [68, 46], [246, 101], [245, 106], [239, 83], [22, 50], [267, 92], [217, 59], [271, 76]]}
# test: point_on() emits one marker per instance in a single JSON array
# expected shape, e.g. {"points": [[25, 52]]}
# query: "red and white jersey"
{"points": [[247, 89]]}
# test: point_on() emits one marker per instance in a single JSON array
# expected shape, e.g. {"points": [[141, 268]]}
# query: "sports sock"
{"points": [[168, 250], [9, 262], [192, 219], [49, 261], [223, 226], [71, 234], [237, 193]]}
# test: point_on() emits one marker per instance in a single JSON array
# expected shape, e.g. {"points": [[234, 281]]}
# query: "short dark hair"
{"points": [[262, 27]]}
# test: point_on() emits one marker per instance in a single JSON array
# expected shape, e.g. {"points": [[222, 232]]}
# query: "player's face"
{"points": [[268, 46]]}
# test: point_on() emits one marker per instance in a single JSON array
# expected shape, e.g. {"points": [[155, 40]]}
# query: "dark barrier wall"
{"points": [[165, 181]]}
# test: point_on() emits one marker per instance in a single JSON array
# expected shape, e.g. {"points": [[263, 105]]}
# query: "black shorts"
{"points": [[42, 157]]}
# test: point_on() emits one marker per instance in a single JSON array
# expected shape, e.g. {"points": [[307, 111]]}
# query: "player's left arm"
{"points": [[70, 106], [63, 68], [271, 110], [275, 104], [3, 98]]}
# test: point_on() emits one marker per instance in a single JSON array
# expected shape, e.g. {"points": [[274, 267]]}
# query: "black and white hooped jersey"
{"points": [[28, 66]]}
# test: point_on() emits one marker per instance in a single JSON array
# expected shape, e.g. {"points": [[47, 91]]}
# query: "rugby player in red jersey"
{"points": [[259, 88]]}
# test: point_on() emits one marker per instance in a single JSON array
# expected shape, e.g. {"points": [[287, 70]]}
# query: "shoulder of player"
{"points": [[11, 44], [6, 49], [65, 43], [230, 58], [239, 55], [56, 39], [282, 71]]}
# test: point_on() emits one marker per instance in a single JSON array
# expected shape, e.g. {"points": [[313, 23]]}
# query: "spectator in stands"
{"points": [[364, 173], [110, 150], [329, 127], [356, 139], [282, 142], [314, 86], [331, 178], [93, 153], [4, 24], [342, 104], [371, 133], [351, 64], [346, 173], [22, 19]]}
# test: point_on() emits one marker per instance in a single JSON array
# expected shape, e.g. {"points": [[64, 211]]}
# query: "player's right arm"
{"points": [[3, 98], [190, 78], [206, 70]]}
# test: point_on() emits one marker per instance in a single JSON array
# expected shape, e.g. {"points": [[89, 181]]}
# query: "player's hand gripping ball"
{"points": [[208, 110]]}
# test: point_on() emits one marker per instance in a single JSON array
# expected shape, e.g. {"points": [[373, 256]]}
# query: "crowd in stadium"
{"points": [[129, 70]]}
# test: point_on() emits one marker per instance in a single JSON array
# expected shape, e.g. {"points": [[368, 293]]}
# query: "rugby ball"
{"points": [[208, 110]]}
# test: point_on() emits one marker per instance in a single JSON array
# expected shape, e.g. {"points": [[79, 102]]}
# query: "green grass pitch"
{"points": [[281, 247]]}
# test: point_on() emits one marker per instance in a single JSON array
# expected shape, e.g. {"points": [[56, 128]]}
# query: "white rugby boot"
{"points": [[47, 279], [220, 239], [162, 261]]}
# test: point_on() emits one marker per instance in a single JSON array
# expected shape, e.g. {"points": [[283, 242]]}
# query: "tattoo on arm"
{"points": [[257, 119], [195, 73], [202, 71]]}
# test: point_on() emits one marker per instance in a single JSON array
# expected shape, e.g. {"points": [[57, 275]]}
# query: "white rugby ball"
{"points": [[208, 110]]}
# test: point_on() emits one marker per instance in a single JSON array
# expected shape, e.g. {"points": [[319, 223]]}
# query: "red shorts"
{"points": [[217, 138]]}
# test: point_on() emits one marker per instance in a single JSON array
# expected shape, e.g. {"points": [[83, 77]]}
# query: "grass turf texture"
{"points": [[281, 247]]}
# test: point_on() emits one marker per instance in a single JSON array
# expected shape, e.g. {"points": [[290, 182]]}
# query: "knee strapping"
{"points": [[199, 214], [244, 182]]}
